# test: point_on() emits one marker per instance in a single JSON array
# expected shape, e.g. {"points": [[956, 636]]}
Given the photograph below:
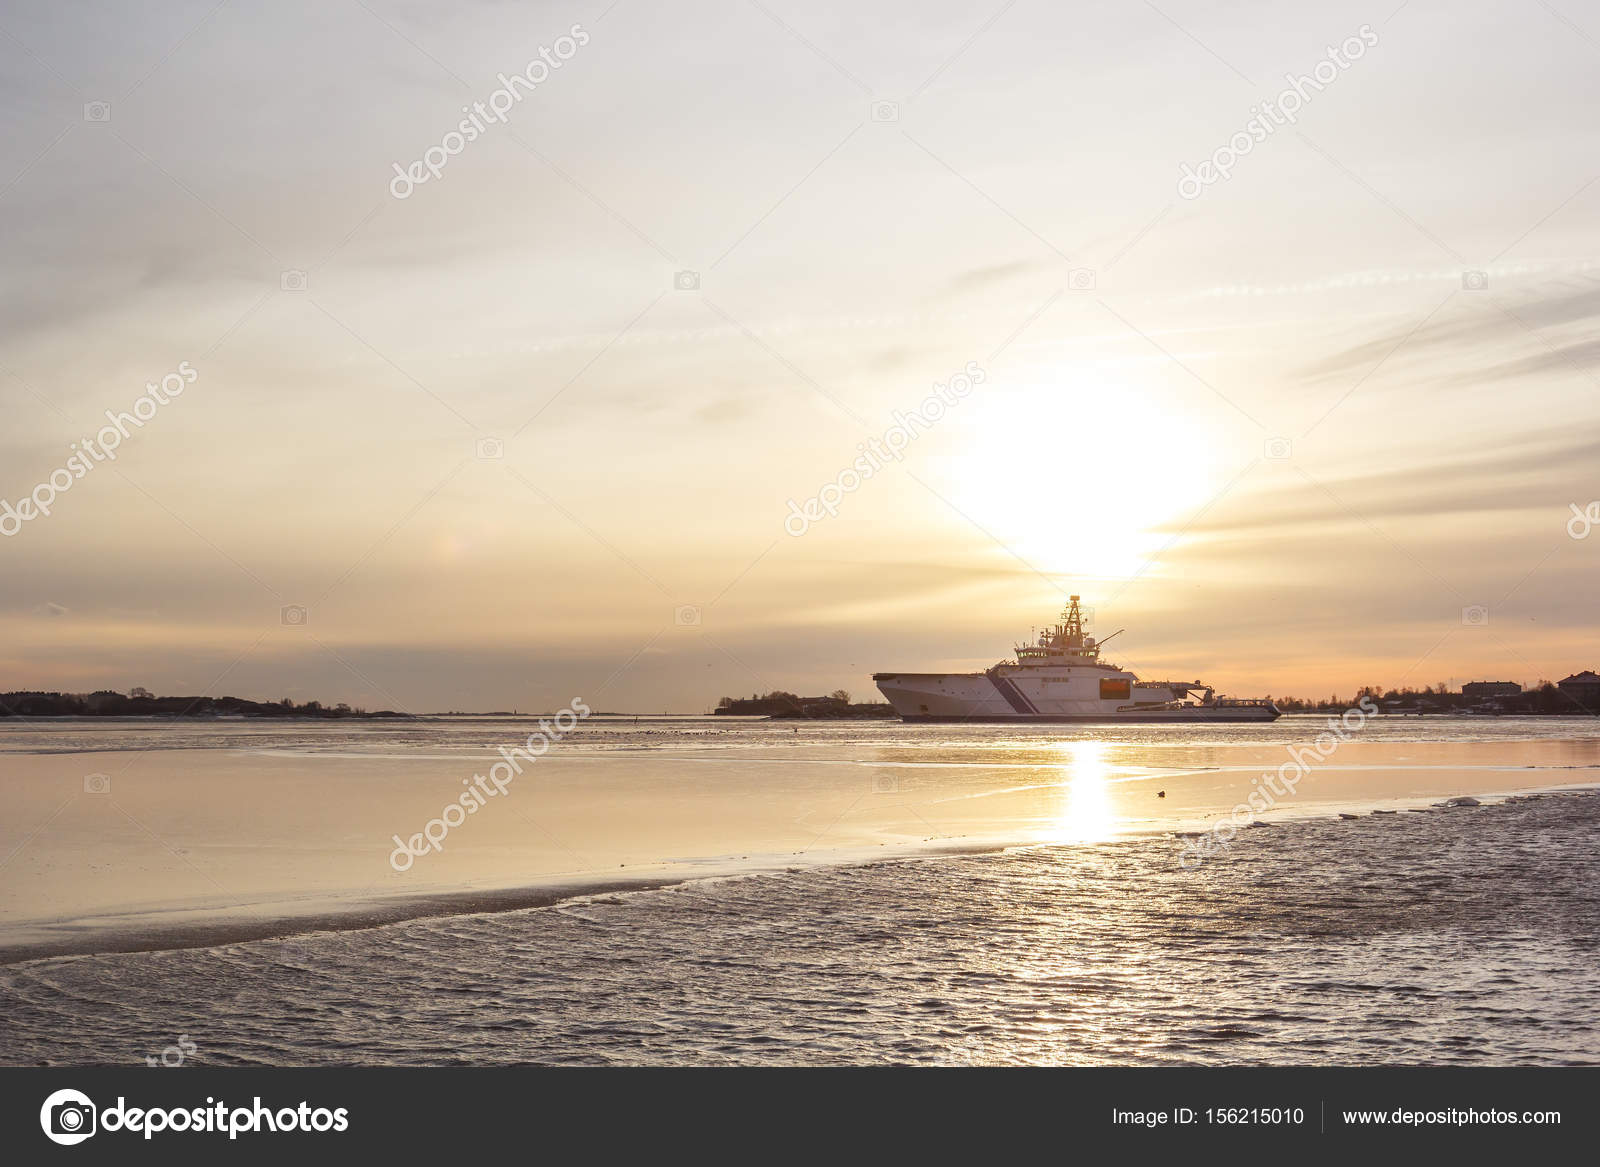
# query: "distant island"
{"points": [[1576, 695], [835, 706], [142, 703]]}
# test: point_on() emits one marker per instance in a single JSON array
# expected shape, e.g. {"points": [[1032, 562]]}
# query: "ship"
{"points": [[1061, 677]]}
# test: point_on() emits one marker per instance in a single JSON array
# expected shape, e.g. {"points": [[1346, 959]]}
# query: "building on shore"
{"points": [[1491, 689], [1583, 688]]}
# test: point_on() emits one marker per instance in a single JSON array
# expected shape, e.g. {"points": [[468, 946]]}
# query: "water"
{"points": [[1457, 937], [1460, 936], [467, 733]]}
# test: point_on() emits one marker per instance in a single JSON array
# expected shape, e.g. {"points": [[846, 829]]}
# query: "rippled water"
{"points": [[1466, 936]]}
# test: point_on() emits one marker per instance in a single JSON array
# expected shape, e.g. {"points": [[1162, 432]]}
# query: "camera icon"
{"points": [[293, 616], [1081, 279], [686, 616], [885, 784], [1277, 449], [72, 1118], [489, 449], [1474, 281], [885, 111], [293, 952], [1475, 616], [293, 280], [97, 784], [687, 281], [97, 111], [68, 1117], [1087, 614]]}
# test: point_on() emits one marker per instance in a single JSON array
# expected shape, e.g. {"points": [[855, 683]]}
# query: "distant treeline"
{"points": [[781, 703], [1545, 698], [141, 703]]}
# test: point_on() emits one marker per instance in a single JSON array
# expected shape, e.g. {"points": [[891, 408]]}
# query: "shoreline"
{"points": [[346, 913]]}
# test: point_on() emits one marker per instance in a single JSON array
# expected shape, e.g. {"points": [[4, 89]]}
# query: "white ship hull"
{"points": [[1051, 695]]}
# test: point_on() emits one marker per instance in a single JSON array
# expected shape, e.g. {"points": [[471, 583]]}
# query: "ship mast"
{"points": [[1063, 642], [1072, 623]]}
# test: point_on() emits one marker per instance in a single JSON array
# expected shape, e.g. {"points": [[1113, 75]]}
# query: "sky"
{"points": [[1325, 415]]}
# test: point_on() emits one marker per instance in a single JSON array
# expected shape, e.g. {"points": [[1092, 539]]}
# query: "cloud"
{"points": [[977, 278], [1532, 474], [1577, 358], [1503, 321]]}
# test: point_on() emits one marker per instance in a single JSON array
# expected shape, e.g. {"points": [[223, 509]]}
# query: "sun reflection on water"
{"points": [[1087, 814]]}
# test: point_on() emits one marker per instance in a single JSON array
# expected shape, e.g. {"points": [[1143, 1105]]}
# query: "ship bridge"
{"points": [[1065, 644]]}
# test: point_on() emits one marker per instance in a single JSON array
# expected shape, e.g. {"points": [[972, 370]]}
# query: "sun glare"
{"points": [[1083, 484], [1086, 815]]}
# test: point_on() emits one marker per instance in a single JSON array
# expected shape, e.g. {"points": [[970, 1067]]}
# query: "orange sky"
{"points": [[501, 453]]}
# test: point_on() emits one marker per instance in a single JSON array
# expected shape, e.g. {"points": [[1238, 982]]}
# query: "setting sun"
{"points": [[1082, 481]]}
